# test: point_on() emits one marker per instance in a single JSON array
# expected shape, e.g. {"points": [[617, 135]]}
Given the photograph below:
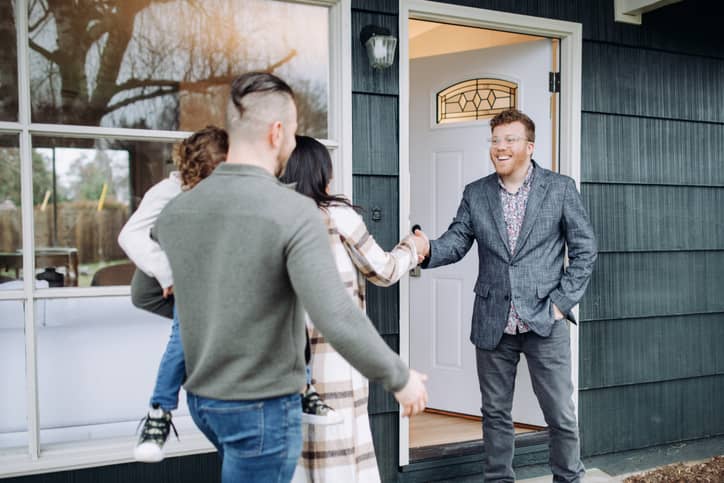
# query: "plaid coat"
{"points": [[344, 452]]}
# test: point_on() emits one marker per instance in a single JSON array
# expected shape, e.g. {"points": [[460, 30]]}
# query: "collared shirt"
{"points": [[514, 205]]}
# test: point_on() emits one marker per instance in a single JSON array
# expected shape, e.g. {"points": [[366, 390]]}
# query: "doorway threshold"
{"points": [[465, 448]]}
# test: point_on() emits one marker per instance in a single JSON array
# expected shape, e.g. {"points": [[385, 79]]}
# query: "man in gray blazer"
{"points": [[523, 217]]}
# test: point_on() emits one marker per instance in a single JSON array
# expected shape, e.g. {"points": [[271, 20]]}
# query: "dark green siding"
{"points": [[375, 167], [651, 369], [189, 469]]}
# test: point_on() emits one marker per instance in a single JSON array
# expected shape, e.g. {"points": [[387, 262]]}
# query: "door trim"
{"points": [[570, 34]]}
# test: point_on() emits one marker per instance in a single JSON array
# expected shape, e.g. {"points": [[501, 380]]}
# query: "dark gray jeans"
{"points": [[549, 363]]}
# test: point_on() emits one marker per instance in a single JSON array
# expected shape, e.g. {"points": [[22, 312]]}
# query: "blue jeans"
{"points": [[171, 370], [258, 440]]}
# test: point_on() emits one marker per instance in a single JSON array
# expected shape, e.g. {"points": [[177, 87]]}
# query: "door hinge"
{"points": [[554, 81]]}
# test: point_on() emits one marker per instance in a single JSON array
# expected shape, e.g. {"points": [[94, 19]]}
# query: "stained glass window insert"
{"points": [[475, 99]]}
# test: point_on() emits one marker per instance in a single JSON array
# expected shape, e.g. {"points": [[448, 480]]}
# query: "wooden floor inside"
{"points": [[430, 429]]}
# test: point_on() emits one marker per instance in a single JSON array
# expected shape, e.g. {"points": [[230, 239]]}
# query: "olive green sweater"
{"points": [[248, 256]]}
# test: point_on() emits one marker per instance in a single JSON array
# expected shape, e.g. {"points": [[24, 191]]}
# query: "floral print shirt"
{"points": [[514, 205]]}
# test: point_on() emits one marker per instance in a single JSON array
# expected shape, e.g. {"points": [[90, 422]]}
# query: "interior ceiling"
{"points": [[430, 38]]}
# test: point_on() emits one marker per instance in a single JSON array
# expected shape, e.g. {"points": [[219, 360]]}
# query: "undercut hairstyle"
{"points": [[511, 116], [198, 155], [255, 84], [310, 169]]}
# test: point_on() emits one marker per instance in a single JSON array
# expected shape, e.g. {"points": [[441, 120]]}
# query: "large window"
{"points": [[168, 65], [93, 96]]}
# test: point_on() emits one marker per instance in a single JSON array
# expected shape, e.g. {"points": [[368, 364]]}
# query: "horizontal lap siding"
{"points": [[651, 151], [651, 369], [638, 82], [635, 416], [639, 343], [652, 217]]}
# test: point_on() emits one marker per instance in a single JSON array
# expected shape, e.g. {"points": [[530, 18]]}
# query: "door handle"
{"points": [[416, 272]]}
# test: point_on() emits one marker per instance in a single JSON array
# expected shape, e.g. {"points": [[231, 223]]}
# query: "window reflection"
{"points": [[168, 65], [110, 380], [8, 63], [90, 188], [11, 231]]}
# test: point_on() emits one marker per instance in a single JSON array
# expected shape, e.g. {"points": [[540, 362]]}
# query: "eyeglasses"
{"points": [[506, 141]]}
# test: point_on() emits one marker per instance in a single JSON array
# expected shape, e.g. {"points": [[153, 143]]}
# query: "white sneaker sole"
{"points": [[148, 453], [322, 420]]}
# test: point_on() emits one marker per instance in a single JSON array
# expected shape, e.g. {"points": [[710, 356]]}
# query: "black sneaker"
{"points": [[316, 411], [156, 426]]}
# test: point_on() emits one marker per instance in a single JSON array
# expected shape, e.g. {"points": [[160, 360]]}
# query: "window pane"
{"points": [[11, 231], [13, 407], [88, 189], [109, 352], [8, 63], [168, 65]]}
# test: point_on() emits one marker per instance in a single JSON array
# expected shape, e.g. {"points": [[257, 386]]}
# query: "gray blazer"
{"points": [[534, 276]]}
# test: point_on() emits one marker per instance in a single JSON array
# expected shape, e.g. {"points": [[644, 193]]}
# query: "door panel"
{"points": [[443, 159]]}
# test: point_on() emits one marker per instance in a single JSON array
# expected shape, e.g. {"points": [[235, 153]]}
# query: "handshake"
{"points": [[422, 243]]}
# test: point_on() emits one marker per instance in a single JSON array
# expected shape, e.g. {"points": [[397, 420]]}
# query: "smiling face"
{"points": [[512, 152]]}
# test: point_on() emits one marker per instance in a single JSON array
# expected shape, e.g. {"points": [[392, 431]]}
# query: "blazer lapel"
{"points": [[535, 200], [496, 209]]}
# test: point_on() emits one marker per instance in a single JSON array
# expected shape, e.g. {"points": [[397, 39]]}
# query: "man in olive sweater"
{"points": [[249, 256]]}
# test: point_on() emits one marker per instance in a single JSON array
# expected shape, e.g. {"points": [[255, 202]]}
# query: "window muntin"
{"points": [[8, 63], [173, 69], [475, 99], [11, 229], [13, 407], [91, 187]]}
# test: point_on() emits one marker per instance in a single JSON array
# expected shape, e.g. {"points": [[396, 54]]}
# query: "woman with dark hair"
{"points": [[342, 452]]}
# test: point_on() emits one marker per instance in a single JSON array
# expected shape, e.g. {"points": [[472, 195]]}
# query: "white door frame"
{"points": [[570, 34]]}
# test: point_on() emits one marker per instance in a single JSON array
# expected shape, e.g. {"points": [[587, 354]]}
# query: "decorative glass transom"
{"points": [[475, 99]]}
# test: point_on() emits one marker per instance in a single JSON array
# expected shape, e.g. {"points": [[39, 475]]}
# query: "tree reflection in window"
{"points": [[168, 64], [475, 99]]}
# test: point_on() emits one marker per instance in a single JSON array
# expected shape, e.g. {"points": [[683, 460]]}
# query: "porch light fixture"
{"points": [[380, 45]]}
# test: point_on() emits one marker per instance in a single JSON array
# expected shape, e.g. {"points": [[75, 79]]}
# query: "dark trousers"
{"points": [[549, 364]]}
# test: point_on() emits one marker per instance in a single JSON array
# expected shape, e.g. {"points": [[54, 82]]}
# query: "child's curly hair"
{"points": [[199, 154]]}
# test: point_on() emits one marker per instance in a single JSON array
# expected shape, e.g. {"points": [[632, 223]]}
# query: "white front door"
{"points": [[443, 159]]}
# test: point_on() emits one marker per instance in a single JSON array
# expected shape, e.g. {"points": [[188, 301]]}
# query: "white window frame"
{"points": [[69, 456], [571, 37]]}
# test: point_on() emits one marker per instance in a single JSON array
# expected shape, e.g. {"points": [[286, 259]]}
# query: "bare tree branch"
{"points": [[270, 69], [140, 97], [40, 21], [51, 56]]}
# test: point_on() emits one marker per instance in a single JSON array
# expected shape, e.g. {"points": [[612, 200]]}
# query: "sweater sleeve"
{"points": [[376, 265], [315, 279], [135, 237]]}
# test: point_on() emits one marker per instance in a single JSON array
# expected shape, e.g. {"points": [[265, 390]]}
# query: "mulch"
{"points": [[711, 471]]}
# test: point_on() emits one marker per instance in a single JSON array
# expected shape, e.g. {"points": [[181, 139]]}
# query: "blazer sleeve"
{"points": [[454, 244], [376, 265], [582, 251]]}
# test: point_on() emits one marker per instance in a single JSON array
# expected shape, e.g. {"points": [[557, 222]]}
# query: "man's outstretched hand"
{"points": [[413, 397], [422, 244]]}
